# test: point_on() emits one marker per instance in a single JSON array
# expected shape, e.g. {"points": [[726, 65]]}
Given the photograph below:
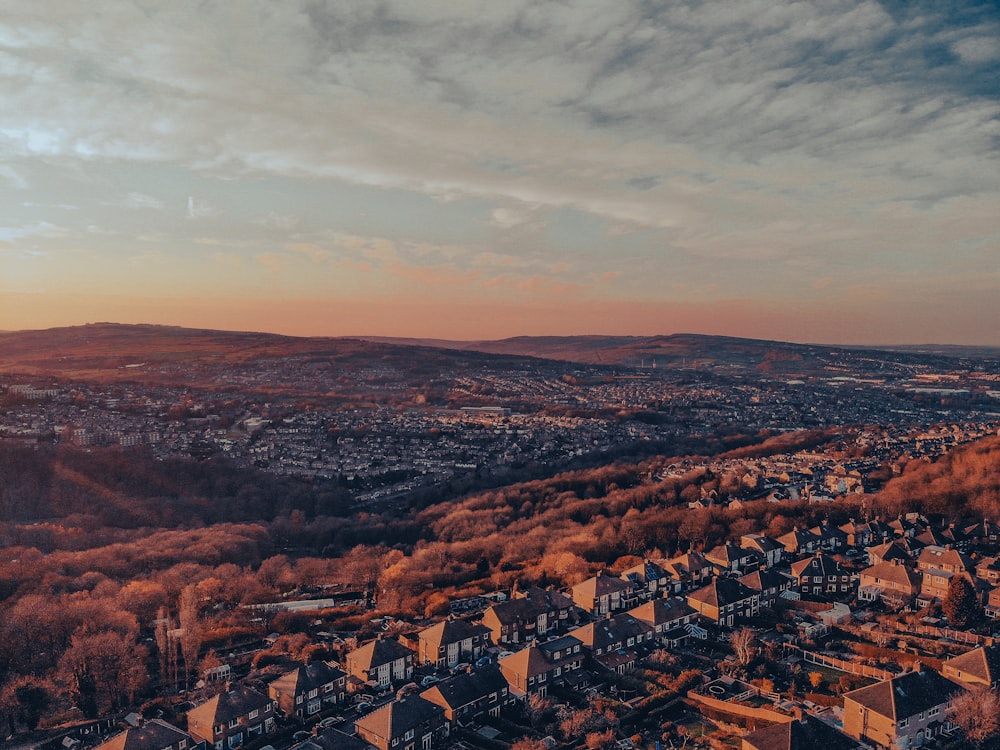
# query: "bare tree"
{"points": [[189, 615], [976, 712], [744, 643]]}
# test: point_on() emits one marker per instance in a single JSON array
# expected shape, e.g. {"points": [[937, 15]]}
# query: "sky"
{"points": [[819, 171]]}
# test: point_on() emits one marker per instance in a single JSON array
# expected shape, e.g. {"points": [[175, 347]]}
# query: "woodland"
{"points": [[120, 575]]}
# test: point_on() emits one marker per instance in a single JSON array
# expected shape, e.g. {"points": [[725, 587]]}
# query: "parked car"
{"points": [[301, 736], [428, 680]]}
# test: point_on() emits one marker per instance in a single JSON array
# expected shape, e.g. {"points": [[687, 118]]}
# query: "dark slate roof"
{"points": [[306, 678], [722, 591], [765, 579], [806, 733], [153, 735], [223, 708], [465, 688], [332, 739], [396, 718], [451, 631], [598, 586], [905, 695], [659, 611], [616, 629], [817, 565]]}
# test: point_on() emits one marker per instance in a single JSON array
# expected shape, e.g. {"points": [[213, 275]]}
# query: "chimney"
{"points": [[918, 666]]}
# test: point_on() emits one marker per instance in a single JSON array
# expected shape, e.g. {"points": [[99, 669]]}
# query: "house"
{"points": [[725, 601], [450, 642], [821, 575], [309, 689], [893, 582], [865, 534], [800, 542], [770, 584], [603, 594], [533, 669], [411, 723], [607, 641], [669, 618], [471, 696], [154, 734], [980, 666], [937, 566], [382, 662], [897, 549], [729, 558], [232, 718], [908, 710], [333, 739], [805, 732], [768, 547], [653, 578], [528, 614], [831, 538], [988, 569], [992, 606], [689, 570]]}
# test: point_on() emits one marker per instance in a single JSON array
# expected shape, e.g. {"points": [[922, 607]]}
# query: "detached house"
{"points": [[232, 718], [450, 642], [906, 711], [411, 723], [382, 662], [308, 690]]}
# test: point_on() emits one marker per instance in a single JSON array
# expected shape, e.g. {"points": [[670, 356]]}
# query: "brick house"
{"points": [[533, 669], [382, 661], [470, 696], [725, 601], [821, 575], [450, 642]]}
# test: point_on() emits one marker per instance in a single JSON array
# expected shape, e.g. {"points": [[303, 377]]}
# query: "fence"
{"points": [[958, 636], [843, 665]]}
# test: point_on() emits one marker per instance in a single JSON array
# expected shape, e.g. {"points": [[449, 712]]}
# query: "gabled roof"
{"points": [[550, 599], [686, 564], [332, 739], [807, 733], [894, 550], [760, 580], [465, 688], [798, 538], [761, 542], [451, 631], [598, 586], [223, 708], [896, 573], [535, 660], [155, 734], [616, 629], [304, 679], [397, 718], [722, 591], [982, 663], [661, 611], [727, 554], [944, 558], [645, 572], [905, 695], [817, 565], [378, 652]]}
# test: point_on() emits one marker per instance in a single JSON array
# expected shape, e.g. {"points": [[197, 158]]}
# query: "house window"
{"points": [[936, 710], [254, 714], [903, 723], [408, 735]]}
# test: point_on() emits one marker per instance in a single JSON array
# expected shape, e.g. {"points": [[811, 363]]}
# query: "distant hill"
{"points": [[103, 350], [700, 351]]}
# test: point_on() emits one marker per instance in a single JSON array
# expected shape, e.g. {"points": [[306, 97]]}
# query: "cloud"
{"points": [[199, 209], [141, 200]]}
